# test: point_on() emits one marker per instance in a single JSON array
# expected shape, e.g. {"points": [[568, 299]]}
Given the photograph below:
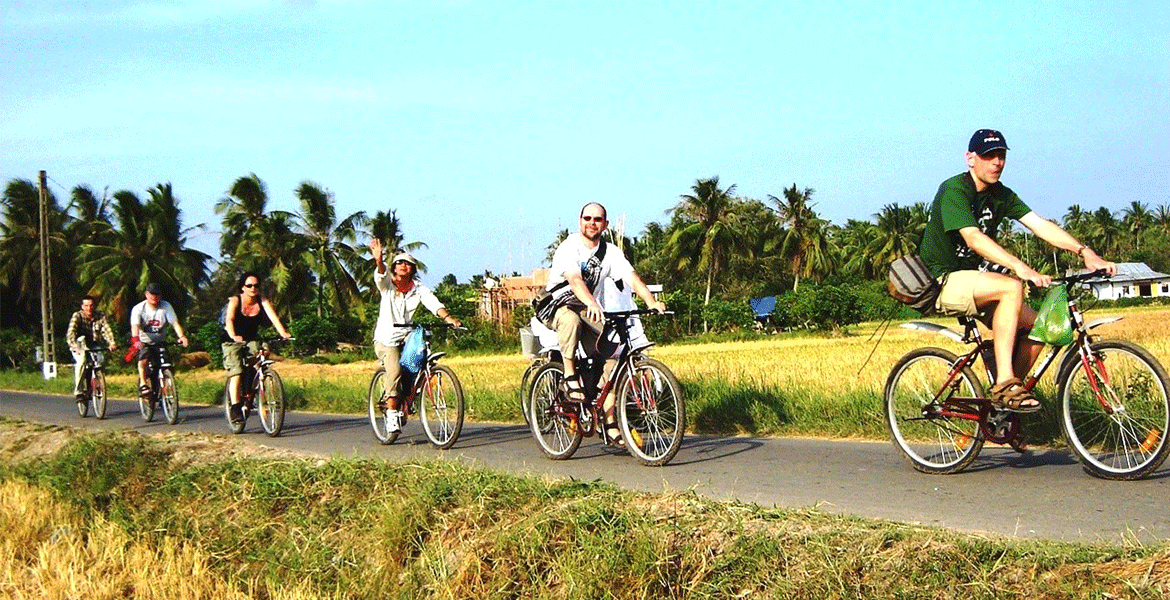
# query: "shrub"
{"points": [[207, 338], [17, 349], [313, 333], [722, 315]]}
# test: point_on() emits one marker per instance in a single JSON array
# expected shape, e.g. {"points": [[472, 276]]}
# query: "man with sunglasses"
{"points": [[580, 266], [401, 295]]}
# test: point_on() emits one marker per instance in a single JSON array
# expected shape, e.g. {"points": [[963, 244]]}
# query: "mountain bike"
{"points": [[261, 391], [161, 378], [93, 379], [1114, 399], [649, 408], [434, 389]]}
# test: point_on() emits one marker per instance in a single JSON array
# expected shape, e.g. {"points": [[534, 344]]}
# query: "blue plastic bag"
{"points": [[414, 351]]}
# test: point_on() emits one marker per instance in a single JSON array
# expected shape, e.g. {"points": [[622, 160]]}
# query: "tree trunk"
{"points": [[707, 298]]}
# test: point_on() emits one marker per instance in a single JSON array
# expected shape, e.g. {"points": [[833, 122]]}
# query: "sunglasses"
{"points": [[588, 218], [251, 285], [403, 262]]}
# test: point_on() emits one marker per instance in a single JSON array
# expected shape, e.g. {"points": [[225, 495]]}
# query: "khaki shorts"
{"points": [[957, 297], [234, 354]]}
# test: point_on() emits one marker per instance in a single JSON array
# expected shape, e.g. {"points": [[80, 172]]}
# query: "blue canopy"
{"points": [[762, 306]]}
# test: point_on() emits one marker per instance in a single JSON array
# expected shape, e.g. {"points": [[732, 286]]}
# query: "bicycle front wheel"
{"points": [[97, 394], [555, 430], [169, 396], [379, 420], [651, 413], [270, 398], [236, 428], [146, 406], [1115, 411], [935, 436], [442, 407]]}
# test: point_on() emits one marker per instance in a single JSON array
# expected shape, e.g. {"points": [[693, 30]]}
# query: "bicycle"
{"points": [[94, 383], [261, 390], [1113, 397], [649, 407], [441, 396], [161, 378]]}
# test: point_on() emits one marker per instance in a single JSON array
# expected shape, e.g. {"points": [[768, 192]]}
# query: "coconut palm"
{"points": [[263, 241], [329, 249], [147, 244], [899, 230], [803, 230], [20, 251], [1104, 231], [1137, 217], [708, 232]]}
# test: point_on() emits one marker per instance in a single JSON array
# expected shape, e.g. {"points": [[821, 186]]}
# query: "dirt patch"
{"points": [[21, 441]]}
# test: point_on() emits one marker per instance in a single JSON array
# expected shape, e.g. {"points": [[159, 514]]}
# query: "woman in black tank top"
{"points": [[244, 316]]}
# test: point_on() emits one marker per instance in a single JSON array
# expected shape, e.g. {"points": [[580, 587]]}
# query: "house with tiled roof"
{"points": [[1133, 280]]}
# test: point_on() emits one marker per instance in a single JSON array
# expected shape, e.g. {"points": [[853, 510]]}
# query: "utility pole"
{"points": [[48, 353]]}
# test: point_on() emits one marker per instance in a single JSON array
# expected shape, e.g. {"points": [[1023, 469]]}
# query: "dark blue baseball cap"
{"points": [[986, 140]]}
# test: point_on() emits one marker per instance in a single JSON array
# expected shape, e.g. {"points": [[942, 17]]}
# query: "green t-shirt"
{"points": [[958, 205]]}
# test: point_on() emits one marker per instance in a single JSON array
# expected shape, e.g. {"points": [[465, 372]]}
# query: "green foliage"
{"points": [[821, 307], [312, 334], [522, 316], [722, 315], [17, 349], [207, 338]]}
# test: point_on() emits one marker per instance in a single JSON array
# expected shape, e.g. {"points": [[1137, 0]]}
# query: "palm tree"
{"points": [[1137, 218], [20, 250], [802, 229], [256, 239], [91, 221], [857, 241], [329, 249], [899, 230], [1162, 219], [148, 244], [1104, 231], [562, 235], [708, 233]]}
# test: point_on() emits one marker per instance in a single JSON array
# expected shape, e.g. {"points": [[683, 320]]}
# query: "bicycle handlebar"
{"points": [[1076, 278], [432, 326], [632, 313]]}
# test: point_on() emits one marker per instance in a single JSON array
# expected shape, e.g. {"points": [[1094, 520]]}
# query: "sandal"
{"points": [[574, 391], [1013, 396], [613, 434]]}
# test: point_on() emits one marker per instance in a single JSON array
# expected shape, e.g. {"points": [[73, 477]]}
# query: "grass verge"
{"points": [[119, 515]]}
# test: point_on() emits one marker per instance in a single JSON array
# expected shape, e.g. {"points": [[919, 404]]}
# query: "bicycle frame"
{"points": [[595, 411], [980, 409]]}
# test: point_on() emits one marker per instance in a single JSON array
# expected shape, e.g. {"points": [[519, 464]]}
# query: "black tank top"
{"points": [[248, 327]]}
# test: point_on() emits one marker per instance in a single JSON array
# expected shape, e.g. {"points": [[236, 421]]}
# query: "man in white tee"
{"points": [[580, 266]]}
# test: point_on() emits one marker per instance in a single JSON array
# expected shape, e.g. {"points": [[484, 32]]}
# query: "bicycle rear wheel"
{"points": [[270, 403], [1115, 412], [169, 396], [379, 419], [915, 396], [97, 394], [557, 433], [526, 389], [651, 413], [442, 407]]}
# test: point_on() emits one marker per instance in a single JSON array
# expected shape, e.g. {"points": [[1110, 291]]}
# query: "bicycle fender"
{"points": [[934, 328], [1102, 321]]}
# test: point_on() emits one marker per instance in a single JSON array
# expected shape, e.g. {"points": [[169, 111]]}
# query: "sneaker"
{"points": [[79, 398], [393, 421], [237, 411]]}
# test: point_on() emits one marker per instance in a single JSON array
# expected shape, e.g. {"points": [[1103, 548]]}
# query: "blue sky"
{"points": [[486, 125]]}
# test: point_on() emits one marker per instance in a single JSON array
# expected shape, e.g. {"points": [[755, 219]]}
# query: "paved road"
{"points": [[1042, 494]]}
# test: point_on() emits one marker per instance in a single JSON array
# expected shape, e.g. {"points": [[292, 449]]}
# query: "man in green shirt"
{"points": [[979, 277]]}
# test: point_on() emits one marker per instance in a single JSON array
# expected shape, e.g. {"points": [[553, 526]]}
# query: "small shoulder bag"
{"points": [[912, 284]]}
